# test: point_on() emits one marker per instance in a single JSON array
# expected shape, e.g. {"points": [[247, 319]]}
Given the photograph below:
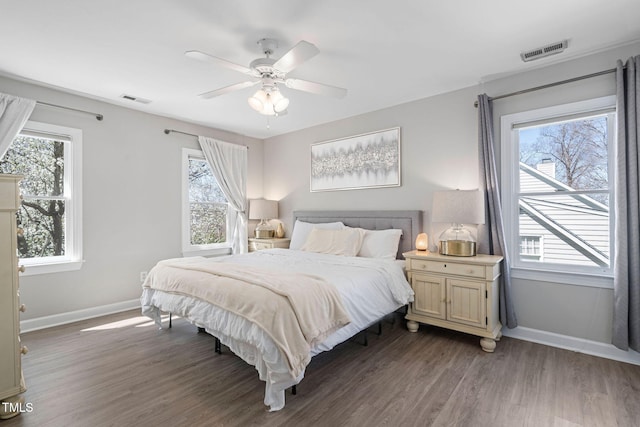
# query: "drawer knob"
{"points": [[24, 349], [21, 269], [22, 308]]}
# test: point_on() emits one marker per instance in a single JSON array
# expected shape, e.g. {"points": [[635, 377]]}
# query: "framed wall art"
{"points": [[368, 160]]}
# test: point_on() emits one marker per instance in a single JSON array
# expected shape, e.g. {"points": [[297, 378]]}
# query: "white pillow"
{"points": [[345, 242], [302, 229], [380, 244]]}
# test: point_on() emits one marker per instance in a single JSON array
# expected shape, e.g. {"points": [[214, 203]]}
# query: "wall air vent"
{"points": [[541, 52], [135, 99]]}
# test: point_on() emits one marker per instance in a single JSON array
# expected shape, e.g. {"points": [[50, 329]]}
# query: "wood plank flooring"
{"points": [[119, 370]]}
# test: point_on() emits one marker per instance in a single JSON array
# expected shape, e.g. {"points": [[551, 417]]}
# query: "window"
{"points": [[205, 226], [557, 189], [49, 220], [531, 247]]}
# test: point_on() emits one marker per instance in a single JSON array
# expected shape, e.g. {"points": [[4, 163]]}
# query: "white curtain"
{"points": [[626, 265], [14, 113], [229, 165]]}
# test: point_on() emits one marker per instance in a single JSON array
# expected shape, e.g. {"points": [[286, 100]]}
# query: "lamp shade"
{"points": [[258, 100], [269, 102], [263, 209], [458, 207]]}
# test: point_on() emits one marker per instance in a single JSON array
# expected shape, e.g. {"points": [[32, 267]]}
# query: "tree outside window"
{"points": [[207, 205], [41, 218], [557, 187]]}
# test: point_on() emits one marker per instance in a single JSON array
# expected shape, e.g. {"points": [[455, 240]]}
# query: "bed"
{"points": [[292, 304]]}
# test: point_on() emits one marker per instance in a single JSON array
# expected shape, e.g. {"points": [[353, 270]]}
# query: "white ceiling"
{"points": [[384, 52]]}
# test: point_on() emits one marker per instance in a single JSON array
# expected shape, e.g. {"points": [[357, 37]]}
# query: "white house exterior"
{"points": [[563, 228]]}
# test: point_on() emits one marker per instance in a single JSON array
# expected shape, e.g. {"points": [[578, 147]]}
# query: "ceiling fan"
{"points": [[268, 100]]}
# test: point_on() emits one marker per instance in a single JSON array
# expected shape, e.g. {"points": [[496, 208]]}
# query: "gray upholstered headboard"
{"points": [[410, 222]]}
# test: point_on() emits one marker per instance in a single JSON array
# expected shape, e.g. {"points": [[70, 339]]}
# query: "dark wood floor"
{"points": [[120, 370]]}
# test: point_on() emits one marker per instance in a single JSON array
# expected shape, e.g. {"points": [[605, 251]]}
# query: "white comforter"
{"points": [[370, 289]]}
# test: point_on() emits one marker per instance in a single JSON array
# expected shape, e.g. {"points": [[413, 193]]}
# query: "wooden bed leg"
{"points": [[169, 320], [379, 328], [218, 347], [366, 340], [294, 390]]}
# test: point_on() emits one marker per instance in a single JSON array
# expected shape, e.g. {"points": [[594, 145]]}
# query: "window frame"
{"points": [[532, 238], [73, 258], [188, 249], [510, 171]]}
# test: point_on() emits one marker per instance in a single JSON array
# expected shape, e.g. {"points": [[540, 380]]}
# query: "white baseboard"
{"points": [[75, 316], [580, 345]]}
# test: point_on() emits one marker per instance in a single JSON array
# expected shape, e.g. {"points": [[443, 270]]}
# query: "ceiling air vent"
{"points": [[135, 99], [541, 52]]}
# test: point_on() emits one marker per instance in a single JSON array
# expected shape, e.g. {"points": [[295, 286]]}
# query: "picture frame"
{"points": [[368, 160]]}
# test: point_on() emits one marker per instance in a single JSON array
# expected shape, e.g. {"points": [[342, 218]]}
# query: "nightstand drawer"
{"points": [[448, 268], [258, 246]]}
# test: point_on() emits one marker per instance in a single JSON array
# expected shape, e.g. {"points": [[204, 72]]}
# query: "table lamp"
{"points": [[263, 210], [458, 207], [422, 242]]}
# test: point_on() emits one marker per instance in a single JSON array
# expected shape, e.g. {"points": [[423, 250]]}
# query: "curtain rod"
{"points": [[168, 131], [98, 116], [533, 89]]}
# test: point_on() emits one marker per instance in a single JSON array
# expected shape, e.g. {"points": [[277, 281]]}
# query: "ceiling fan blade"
{"points": [[201, 56], [227, 89], [296, 56], [317, 88]]}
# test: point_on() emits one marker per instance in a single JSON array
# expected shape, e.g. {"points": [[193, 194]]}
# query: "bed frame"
{"points": [[409, 221]]}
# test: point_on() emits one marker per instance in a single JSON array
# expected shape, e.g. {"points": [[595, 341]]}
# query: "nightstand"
{"points": [[259, 244], [459, 293]]}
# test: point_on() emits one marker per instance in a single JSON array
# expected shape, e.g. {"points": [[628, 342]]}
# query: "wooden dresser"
{"points": [[459, 293], [11, 381]]}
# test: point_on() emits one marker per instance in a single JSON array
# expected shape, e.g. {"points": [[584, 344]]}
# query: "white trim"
{"points": [[72, 260], [510, 179], [580, 345], [75, 316], [565, 278], [49, 267], [187, 248]]}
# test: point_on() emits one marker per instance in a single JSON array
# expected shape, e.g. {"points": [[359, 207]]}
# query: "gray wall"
{"points": [[439, 150], [131, 199], [132, 186]]}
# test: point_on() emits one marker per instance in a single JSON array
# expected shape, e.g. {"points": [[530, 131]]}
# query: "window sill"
{"points": [[577, 279], [52, 267]]}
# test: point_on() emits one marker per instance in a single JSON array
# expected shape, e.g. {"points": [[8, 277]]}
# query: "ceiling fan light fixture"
{"points": [[269, 102], [280, 103], [258, 101], [270, 73]]}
